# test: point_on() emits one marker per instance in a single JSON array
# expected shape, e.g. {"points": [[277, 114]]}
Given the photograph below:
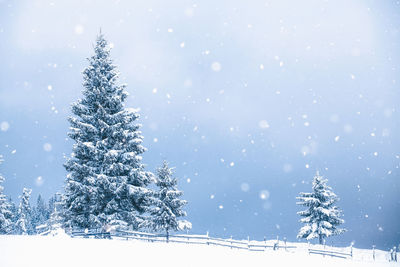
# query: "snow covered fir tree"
{"points": [[321, 217], [106, 182], [5, 208], [168, 206], [23, 225], [40, 213]]}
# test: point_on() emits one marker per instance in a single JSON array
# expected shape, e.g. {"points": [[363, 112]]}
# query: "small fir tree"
{"points": [[321, 217], [14, 216], [55, 220], [40, 213], [168, 206], [5, 209], [23, 225], [106, 181]]}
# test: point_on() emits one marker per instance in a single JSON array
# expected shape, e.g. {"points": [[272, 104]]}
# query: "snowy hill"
{"points": [[62, 250]]}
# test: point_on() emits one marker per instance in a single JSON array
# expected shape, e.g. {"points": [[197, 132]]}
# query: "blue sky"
{"points": [[246, 99]]}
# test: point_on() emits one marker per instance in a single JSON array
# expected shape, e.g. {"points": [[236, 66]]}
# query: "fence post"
{"points": [[284, 240], [391, 255], [373, 252], [351, 249], [265, 243], [276, 245], [396, 253], [324, 242], [248, 242], [208, 239], [167, 236], [231, 242]]}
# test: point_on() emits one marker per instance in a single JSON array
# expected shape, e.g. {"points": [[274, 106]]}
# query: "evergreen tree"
{"points": [[321, 217], [23, 225], [5, 209], [168, 206], [55, 220], [14, 215], [40, 213], [106, 181], [51, 204]]}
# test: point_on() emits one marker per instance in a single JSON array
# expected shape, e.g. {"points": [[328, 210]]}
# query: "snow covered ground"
{"points": [[62, 250]]}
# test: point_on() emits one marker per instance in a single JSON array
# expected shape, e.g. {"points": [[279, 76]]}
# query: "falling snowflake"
{"points": [[79, 29], [39, 181], [47, 147], [264, 194], [245, 187], [263, 124], [287, 168], [4, 126], [216, 66]]}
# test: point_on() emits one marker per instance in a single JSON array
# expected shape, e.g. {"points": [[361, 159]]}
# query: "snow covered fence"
{"points": [[251, 245], [330, 253], [188, 239]]}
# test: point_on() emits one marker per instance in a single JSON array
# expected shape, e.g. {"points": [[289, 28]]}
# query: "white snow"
{"points": [[245, 187], [263, 124], [47, 147], [264, 194], [61, 250], [4, 126], [39, 181], [79, 29], [216, 66]]}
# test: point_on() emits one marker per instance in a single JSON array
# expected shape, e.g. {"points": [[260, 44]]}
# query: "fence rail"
{"points": [[187, 239], [331, 253], [231, 243]]}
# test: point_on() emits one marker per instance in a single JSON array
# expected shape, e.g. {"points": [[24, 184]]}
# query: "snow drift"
{"points": [[61, 250]]}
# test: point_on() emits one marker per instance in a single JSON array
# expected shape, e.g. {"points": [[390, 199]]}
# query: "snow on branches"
{"points": [[321, 217]]}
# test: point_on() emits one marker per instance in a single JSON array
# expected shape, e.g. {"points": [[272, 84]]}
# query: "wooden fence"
{"points": [[231, 243], [250, 245], [331, 253]]}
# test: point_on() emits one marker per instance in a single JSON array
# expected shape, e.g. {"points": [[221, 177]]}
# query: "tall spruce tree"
{"points": [[5, 209], [168, 206], [23, 226], [106, 181], [321, 217]]}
